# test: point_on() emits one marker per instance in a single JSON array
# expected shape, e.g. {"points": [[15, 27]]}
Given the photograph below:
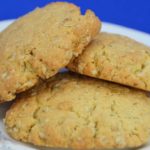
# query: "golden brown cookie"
{"points": [[73, 111], [115, 58], [37, 45]]}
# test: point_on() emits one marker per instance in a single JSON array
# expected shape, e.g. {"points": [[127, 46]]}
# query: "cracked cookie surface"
{"points": [[115, 58], [37, 45], [73, 111]]}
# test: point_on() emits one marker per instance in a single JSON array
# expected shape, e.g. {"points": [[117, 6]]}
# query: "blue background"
{"points": [[130, 13]]}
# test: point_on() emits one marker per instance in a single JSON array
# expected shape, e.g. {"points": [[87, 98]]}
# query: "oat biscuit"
{"points": [[40, 43], [115, 58], [73, 111]]}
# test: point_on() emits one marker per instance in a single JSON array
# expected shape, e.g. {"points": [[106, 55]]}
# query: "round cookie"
{"points": [[115, 58], [73, 111], [37, 45]]}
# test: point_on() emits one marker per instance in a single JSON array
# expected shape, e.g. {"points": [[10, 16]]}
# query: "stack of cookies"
{"points": [[87, 109]]}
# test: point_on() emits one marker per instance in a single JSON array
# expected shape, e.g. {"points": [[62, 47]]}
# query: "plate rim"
{"points": [[141, 36]]}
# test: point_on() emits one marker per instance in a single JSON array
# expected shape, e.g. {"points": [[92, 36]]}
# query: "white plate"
{"points": [[6, 143]]}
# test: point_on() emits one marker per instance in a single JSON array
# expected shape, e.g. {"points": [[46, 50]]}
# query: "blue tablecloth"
{"points": [[130, 13]]}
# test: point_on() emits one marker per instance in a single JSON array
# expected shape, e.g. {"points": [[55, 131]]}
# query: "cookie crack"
{"points": [[113, 109], [34, 116]]}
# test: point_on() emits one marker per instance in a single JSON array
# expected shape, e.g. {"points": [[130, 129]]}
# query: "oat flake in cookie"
{"points": [[40, 43], [115, 58], [73, 111]]}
